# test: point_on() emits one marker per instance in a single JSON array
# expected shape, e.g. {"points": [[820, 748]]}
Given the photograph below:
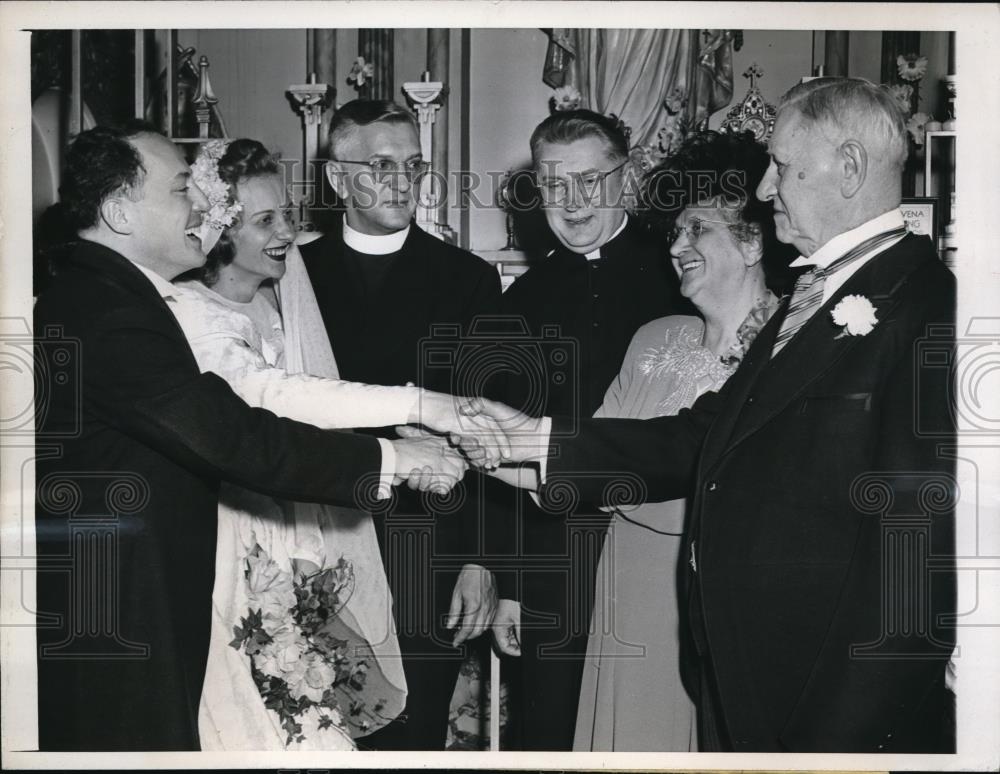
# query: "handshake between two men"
{"points": [[459, 432]]}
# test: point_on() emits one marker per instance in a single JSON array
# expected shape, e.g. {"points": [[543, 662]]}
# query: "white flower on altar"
{"points": [[360, 72], [901, 92], [915, 126], [856, 314], [911, 67], [566, 98]]}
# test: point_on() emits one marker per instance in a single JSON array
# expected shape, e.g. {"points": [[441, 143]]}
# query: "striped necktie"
{"points": [[808, 294]]}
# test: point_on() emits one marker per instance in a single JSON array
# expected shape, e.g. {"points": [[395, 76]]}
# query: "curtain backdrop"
{"points": [[635, 74]]}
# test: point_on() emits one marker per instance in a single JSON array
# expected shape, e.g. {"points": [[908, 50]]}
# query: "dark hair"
{"points": [[711, 164], [570, 125], [101, 162], [362, 112], [243, 159]]}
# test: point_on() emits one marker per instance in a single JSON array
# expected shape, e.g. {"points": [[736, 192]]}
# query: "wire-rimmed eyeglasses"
{"points": [[694, 229], [555, 190], [386, 170]]}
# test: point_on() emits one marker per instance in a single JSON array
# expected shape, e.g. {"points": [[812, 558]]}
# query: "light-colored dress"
{"points": [[245, 344], [631, 696]]}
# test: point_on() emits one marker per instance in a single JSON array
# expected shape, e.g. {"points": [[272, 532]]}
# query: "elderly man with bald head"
{"points": [[818, 565]]}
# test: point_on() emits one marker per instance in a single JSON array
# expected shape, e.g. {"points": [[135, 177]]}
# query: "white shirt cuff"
{"points": [[388, 470], [543, 436]]}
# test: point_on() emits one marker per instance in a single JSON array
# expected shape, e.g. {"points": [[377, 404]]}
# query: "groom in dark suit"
{"points": [[385, 287], [132, 443], [820, 549]]}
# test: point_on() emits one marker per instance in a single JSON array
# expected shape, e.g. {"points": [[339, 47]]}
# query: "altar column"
{"points": [[836, 52], [376, 46], [324, 64], [438, 63]]}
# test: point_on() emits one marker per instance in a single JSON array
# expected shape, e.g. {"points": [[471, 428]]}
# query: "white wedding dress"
{"points": [[247, 345]]}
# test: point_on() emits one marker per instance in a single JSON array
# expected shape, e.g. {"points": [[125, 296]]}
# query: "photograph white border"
{"points": [[978, 271]]}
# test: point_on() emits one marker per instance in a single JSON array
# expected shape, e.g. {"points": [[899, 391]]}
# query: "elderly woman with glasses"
{"points": [[720, 237]]}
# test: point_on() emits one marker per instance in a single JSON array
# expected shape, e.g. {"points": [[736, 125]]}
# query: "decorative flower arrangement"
{"points": [[902, 93], [915, 126], [565, 98], [360, 72], [222, 211], [670, 135], [303, 667], [856, 314], [911, 67]]}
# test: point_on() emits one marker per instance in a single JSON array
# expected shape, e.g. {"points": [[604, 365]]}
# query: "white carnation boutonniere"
{"points": [[856, 315]]}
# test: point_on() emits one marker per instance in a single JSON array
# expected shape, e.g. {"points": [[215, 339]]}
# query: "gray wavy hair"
{"points": [[857, 107]]}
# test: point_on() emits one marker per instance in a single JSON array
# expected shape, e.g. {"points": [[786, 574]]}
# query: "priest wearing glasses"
{"points": [[583, 301], [382, 285]]}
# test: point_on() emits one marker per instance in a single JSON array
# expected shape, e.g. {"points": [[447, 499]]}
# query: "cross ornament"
{"points": [[753, 72]]}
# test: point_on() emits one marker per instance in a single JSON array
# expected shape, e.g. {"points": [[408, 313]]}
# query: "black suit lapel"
{"points": [[740, 387], [816, 348], [111, 268]]}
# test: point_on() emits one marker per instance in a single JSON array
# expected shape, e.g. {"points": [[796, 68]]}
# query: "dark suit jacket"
{"points": [[133, 442], [812, 474], [580, 316]]}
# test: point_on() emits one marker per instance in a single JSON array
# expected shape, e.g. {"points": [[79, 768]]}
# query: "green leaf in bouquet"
{"points": [[325, 721]]}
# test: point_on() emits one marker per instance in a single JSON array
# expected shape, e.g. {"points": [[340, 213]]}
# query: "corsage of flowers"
{"points": [[856, 315], [222, 210]]}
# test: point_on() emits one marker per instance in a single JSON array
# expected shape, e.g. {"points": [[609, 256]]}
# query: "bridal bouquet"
{"points": [[302, 658]]}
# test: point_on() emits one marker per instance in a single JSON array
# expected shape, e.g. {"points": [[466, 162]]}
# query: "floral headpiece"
{"points": [[223, 211]]}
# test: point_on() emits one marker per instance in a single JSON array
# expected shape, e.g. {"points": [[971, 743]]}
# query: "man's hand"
{"points": [[474, 601], [522, 432], [428, 463], [507, 627], [487, 443]]}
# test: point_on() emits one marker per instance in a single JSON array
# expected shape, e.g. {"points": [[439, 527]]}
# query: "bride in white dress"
{"points": [[275, 680]]}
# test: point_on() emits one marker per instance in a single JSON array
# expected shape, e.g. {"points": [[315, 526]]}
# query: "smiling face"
{"points": [[802, 181], [713, 265], [590, 211], [168, 212], [265, 231], [376, 206]]}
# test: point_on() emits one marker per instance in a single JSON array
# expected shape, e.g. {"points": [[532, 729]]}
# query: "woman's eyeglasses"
{"points": [[386, 170], [555, 190], [695, 228]]}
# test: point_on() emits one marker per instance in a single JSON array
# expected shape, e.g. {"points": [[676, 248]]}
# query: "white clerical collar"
{"points": [[593, 255], [375, 244], [842, 243], [163, 287]]}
